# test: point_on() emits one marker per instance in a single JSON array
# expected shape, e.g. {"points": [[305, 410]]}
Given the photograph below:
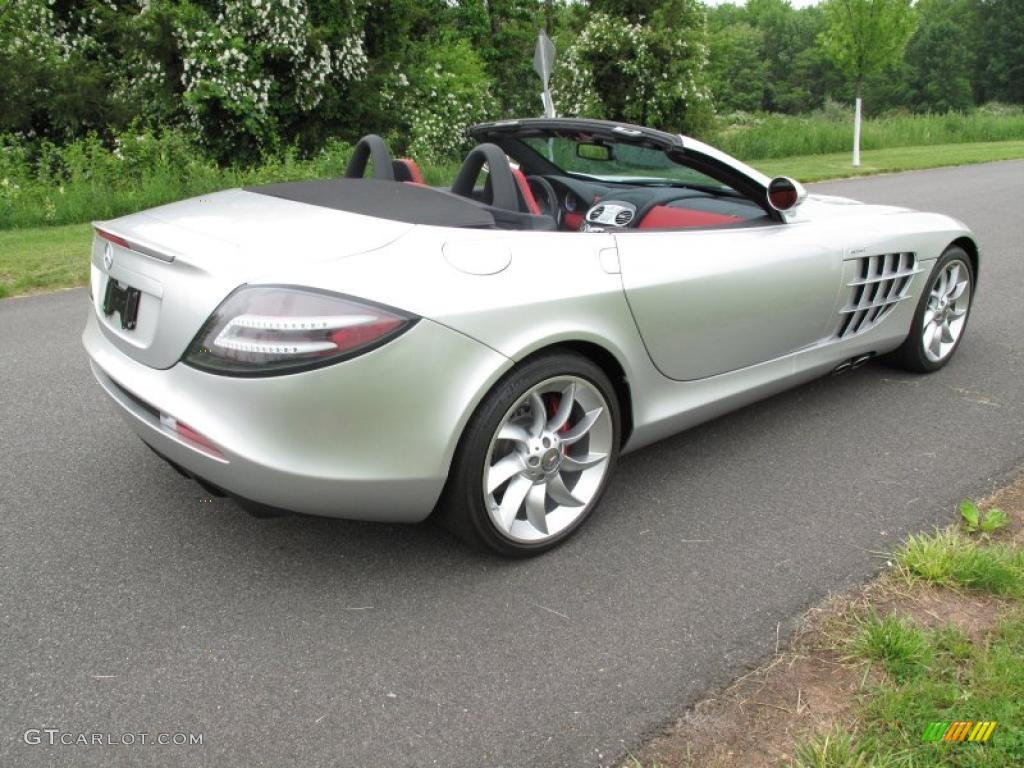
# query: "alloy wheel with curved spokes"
{"points": [[945, 314], [547, 459]]}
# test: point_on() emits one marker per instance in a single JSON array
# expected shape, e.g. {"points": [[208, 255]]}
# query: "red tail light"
{"points": [[272, 330], [115, 239]]}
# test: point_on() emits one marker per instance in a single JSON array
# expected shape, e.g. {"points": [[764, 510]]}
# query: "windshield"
{"points": [[618, 161]]}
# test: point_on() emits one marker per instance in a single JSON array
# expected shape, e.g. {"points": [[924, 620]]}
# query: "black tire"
{"points": [[910, 356], [462, 507]]}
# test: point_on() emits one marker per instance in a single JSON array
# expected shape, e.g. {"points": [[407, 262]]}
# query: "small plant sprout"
{"points": [[974, 520], [994, 519]]}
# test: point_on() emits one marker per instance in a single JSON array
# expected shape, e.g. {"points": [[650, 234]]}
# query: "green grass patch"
{"points": [[837, 165], [955, 680], [986, 685], [835, 749], [43, 258], [950, 559], [902, 648], [937, 674]]}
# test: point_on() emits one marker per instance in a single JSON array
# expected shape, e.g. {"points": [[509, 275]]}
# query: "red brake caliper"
{"points": [[554, 400]]}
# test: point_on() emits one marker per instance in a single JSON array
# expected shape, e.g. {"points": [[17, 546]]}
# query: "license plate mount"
{"points": [[123, 300]]}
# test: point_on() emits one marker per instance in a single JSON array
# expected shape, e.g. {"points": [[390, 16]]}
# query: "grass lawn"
{"points": [[45, 258], [837, 166]]}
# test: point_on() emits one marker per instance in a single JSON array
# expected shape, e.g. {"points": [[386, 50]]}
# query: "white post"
{"points": [[856, 134]]}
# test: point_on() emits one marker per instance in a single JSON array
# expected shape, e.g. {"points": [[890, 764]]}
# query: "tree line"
{"points": [[769, 56], [248, 78]]}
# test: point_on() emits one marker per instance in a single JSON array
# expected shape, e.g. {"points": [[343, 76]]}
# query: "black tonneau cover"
{"points": [[395, 200]]}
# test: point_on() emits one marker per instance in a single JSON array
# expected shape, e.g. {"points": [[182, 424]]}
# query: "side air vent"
{"points": [[880, 282], [596, 213], [623, 217]]}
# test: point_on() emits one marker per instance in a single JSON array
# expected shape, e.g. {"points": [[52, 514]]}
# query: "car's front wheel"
{"points": [[941, 316], [535, 457]]}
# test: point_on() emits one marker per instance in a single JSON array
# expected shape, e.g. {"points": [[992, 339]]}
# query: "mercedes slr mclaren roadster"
{"points": [[372, 347]]}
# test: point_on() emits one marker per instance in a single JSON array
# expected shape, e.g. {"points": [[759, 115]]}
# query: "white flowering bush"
{"points": [[437, 98], [256, 63], [51, 65], [29, 30], [645, 72]]}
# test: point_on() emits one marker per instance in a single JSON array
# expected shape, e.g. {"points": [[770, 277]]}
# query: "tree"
{"points": [[774, 19], [631, 10], [503, 33], [1001, 71], [939, 59], [737, 72], [647, 71], [863, 37]]}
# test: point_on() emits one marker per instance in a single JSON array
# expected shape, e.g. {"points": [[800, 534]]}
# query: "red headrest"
{"points": [[407, 170]]}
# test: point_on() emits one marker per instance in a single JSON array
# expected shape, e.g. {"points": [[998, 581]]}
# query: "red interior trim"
{"points": [[524, 188], [414, 170], [574, 220], [666, 217]]}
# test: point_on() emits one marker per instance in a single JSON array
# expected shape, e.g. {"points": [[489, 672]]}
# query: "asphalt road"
{"points": [[128, 605]]}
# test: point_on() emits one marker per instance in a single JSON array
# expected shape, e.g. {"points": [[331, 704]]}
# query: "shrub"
{"points": [[445, 90], [644, 73]]}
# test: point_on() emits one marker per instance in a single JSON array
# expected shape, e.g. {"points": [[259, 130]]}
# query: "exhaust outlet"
{"points": [[842, 368], [858, 362], [852, 364]]}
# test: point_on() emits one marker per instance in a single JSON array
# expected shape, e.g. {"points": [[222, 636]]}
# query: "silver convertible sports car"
{"points": [[371, 347]]}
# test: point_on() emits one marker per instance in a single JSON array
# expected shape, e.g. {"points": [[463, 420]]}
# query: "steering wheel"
{"points": [[546, 197], [371, 146]]}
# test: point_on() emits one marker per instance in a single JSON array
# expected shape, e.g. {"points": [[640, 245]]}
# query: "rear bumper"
{"points": [[370, 438]]}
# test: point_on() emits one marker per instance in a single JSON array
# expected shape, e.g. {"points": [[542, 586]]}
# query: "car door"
{"points": [[709, 301]]}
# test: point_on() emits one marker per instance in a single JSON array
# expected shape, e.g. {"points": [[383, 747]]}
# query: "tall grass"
{"points": [[43, 184], [88, 180], [760, 137]]}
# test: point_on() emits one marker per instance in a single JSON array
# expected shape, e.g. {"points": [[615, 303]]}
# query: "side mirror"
{"points": [[785, 194]]}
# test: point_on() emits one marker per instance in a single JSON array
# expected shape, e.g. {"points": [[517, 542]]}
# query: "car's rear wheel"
{"points": [[941, 316], [535, 457]]}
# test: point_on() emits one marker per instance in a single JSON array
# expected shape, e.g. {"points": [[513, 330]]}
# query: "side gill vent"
{"points": [[879, 284]]}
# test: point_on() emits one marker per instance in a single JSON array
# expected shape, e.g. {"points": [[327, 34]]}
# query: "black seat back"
{"points": [[369, 146]]}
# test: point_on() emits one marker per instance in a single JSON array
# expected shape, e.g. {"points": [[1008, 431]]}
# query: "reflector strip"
{"points": [[133, 246], [184, 430]]}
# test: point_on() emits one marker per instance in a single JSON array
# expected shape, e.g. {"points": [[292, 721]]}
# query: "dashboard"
{"points": [[587, 206]]}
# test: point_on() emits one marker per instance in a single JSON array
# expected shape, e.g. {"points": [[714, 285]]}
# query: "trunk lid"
{"points": [[185, 257]]}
